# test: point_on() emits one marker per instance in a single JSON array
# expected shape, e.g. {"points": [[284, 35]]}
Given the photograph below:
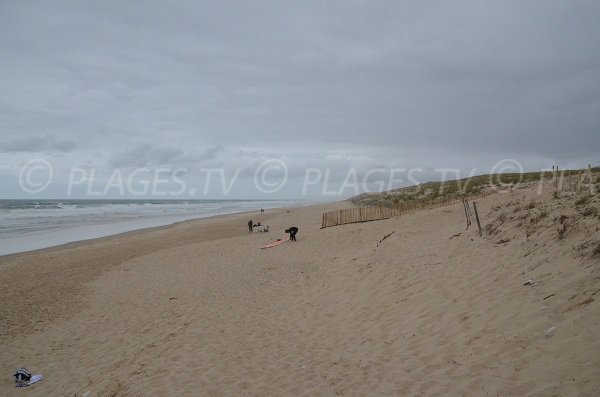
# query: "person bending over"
{"points": [[292, 231]]}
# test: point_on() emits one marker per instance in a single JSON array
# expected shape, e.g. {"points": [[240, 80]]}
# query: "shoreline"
{"points": [[65, 237], [142, 230]]}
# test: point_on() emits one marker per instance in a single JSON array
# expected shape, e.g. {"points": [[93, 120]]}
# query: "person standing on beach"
{"points": [[292, 231], [250, 226]]}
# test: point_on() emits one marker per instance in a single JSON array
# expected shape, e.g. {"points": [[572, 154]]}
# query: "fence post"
{"points": [[477, 218], [466, 213], [561, 180]]}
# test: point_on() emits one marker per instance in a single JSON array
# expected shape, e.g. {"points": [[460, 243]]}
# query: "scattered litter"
{"points": [[36, 378], [550, 332], [23, 378], [384, 237], [22, 375], [549, 296], [528, 282]]}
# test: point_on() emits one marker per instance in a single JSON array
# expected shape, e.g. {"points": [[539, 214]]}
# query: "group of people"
{"points": [[292, 231]]}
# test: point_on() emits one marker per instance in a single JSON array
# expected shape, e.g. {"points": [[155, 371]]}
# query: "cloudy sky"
{"points": [[184, 89]]}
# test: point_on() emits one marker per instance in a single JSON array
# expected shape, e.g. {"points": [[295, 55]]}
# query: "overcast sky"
{"points": [[336, 85]]}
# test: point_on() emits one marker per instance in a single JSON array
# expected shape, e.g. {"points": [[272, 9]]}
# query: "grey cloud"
{"points": [[147, 155], [144, 84], [144, 156], [43, 143]]}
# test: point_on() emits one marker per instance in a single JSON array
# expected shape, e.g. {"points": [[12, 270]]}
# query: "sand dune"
{"points": [[198, 309]]}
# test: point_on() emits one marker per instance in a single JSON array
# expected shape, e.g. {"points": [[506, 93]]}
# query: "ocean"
{"points": [[27, 225]]}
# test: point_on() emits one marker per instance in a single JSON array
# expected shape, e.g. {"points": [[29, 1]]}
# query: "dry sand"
{"points": [[197, 309]]}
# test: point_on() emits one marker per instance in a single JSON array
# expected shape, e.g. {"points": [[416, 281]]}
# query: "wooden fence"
{"points": [[355, 215], [367, 214]]}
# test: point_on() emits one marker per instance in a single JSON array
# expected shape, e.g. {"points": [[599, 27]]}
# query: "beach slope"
{"points": [[198, 309]]}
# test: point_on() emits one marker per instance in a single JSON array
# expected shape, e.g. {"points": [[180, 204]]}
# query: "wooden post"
{"points": [[468, 209], [560, 181], [477, 218], [591, 179], [466, 214]]}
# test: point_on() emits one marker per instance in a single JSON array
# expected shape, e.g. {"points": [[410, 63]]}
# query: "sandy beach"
{"points": [[198, 309]]}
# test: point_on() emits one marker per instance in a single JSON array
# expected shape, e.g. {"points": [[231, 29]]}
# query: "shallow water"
{"points": [[27, 225]]}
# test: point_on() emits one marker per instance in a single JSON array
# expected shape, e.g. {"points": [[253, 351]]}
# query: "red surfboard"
{"points": [[276, 243]]}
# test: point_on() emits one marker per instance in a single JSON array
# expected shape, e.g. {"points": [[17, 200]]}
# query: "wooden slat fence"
{"points": [[367, 214], [355, 215]]}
